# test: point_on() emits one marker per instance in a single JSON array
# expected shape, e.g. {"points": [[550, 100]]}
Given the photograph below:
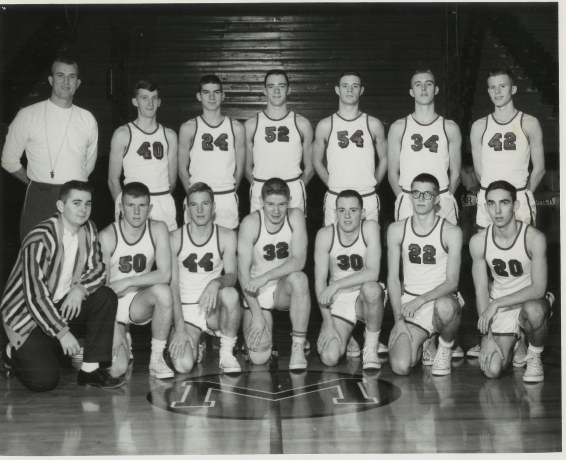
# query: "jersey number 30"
{"points": [[355, 261]]}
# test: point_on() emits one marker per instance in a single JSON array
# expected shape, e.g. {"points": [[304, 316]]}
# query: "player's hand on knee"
{"points": [[69, 344], [208, 298], [255, 330], [486, 317], [326, 336], [489, 348], [399, 329], [408, 309], [253, 286], [178, 342], [71, 307]]}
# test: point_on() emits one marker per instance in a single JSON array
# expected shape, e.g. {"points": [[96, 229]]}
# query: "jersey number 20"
{"points": [[500, 267]]}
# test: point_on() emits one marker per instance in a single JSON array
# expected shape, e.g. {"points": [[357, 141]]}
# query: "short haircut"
{"points": [[348, 73], [149, 85], [67, 187], [275, 186], [135, 190], [350, 194], [209, 78], [198, 187], [276, 72], [423, 70], [64, 59], [502, 71], [427, 178], [502, 185]]}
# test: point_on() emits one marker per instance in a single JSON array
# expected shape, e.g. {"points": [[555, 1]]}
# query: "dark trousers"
{"points": [[36, 362], [39, 205]]}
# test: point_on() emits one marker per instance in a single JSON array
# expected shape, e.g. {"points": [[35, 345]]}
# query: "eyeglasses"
{"points": [[416, 194]]}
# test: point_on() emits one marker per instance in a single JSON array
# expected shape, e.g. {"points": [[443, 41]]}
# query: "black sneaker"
{"points": [[7, 367], [99, 378]]}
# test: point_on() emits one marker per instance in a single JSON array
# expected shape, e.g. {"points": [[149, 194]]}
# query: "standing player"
{"points": [[60, 141], [503, 145], [430, 248], [424, 142], [272, 250], [130, 247], [203, 277], [277, 140], [348, 140], [212, 150], [350, 251], [147, 152], [516, 255]]}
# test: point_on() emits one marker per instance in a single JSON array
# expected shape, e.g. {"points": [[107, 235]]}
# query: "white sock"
{"points": [[538, 350], [89, 367], [227, 345], [372, 338], [157, 347], [445, 344], [299, 337]]}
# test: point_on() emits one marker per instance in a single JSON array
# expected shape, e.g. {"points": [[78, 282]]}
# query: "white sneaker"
{"points": [[474, 352], [382, 348], [353, 348], [229, 364], [159, 369], [457, 352], [200, 351], [370, 359], [520, 353], [297, 361], [534, 372], [429, 352], [442, 362]]}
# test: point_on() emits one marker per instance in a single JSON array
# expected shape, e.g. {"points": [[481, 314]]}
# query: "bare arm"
{"points": [[248, 231], [186, 136], [118, 146], [175, 243], [476, 134], [305, 129], [394, 234], [455, 154], [319, 148], [107, 239], [250, 127], [380, 143], [321, 260], [534, 133], [228, 246], [394, 154], [479, 271], [172, 157], [240, 147]]}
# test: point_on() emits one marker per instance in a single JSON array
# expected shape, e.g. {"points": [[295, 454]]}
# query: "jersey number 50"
{"points": [[137, 263]]}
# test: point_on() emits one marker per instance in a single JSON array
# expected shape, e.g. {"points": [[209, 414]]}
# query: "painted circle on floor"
{"points": [[256, 395]]}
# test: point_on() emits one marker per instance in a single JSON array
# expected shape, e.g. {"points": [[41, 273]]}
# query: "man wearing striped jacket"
{"points": [[56, 288]]}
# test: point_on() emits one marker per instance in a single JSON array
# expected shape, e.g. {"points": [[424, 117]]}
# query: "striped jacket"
{"points": [[28, 295]]}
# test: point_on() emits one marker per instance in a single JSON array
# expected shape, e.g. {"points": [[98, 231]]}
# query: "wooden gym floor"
{"points": [[267, 409]]}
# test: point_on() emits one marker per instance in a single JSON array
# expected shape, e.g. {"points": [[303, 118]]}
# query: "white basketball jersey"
{"points": [[505, 152], [511, 267], [424, 149], [424, 258], [146, 159], [347, 260], [270, 249], [212, 156], [351, 155], [198, 264], [277, 148], [131, 259]]}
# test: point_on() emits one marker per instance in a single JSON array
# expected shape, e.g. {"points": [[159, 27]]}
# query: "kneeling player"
{"points": [[204, 299], [431, 249], [350, 250], [516, 255], [272, 250], [130, 247]]}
